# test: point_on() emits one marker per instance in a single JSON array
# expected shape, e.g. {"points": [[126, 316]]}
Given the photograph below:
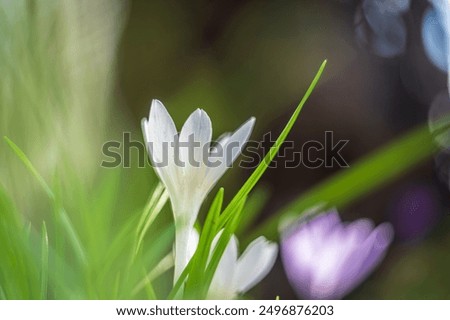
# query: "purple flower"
{"points": [[325, 258]]}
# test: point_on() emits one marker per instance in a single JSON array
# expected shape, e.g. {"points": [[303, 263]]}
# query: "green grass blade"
{"points": [[72, 235], [60, 212], [156, 194], [19, 265], [210, 227], [44, 262], [150, 213], [368, 174], [177, 286], [30, 167], [164, 265], [262, 167], [151, 294], [200, 258], [220, 248]]}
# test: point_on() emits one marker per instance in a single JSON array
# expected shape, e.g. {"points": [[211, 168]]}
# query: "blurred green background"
{"points": [[76, 74]]}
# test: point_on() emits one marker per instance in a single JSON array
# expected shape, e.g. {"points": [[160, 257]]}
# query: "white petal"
{"points": [[222, 285], [220, 142], [255, 263], [158, 130], [231, 147], [160, 134], [198, 130], [235, 143]]}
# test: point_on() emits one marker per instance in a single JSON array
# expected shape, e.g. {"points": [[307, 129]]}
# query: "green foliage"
{"points": [[156, 202], [19, 272], [44, 262], [103, 263]]}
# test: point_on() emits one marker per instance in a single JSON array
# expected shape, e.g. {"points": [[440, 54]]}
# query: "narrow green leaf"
{"points": [[164, 265], [151, 294], [44, 262], [151, 211], [153, 198], [59, 211], [209, 229], [177, 286], [30, 167], [72, 235], [200, 258], [262, 167], [220, 247]]}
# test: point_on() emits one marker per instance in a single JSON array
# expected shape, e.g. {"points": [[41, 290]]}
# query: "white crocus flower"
{"points": [[188, 166], [235, 275]]}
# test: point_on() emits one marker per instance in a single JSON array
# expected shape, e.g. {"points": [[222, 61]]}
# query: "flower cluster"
{"points": [[188, 186], [323, 257]]}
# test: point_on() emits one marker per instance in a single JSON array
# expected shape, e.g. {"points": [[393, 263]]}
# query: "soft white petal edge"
{"points": [[240, 136], [223, 285], [255, 263], [158, 129], [199, 127]]}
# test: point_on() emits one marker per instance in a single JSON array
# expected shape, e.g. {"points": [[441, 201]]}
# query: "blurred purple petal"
{"points": [[325, 258], [376, 245]]}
